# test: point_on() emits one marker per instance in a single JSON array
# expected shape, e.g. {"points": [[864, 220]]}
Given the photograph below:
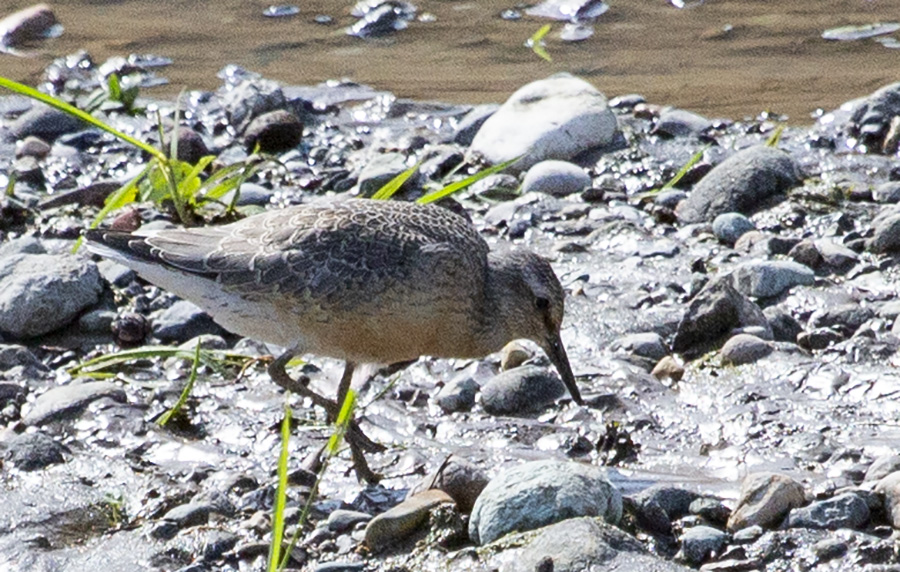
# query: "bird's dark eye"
{"points": [[541, 304]]}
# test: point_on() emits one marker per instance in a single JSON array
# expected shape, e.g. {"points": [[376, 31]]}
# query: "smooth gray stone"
{"points": [[699, 542], [521, 390], [553, 177], [576, 545], [768, 278], [729, 227], [33, 451], [554, 118], [40, 293], [740, 183], [843, 511], [68, 400], [539, 493]]}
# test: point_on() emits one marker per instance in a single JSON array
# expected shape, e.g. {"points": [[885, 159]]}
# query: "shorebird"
{"points": [[360, 280]]}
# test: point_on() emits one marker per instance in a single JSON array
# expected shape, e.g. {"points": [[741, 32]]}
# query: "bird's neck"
{"points": [[498, 318]]}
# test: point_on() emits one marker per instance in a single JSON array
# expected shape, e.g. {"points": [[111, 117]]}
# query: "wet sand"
{"points": [[772, 59]]}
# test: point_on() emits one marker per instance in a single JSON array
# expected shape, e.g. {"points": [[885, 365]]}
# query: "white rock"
{"points": [[553, 118], [553, 177]]}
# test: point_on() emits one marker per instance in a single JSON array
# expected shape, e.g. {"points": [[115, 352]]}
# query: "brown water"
{"points": [[773, 58]]}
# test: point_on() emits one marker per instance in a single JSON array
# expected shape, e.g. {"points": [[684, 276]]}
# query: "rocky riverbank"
{"points": [[734, 335]]}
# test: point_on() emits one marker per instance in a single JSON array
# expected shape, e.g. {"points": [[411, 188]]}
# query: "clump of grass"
{"points": [[101, 367], [165, 178]]}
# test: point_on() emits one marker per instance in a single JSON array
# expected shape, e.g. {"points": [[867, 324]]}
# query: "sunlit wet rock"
{"points": [[33, 451], [768, 278], [459, 478], [40, 293], [558, 178], [766, 498], [743, 349], [389, 528], [539, 493], [699, 543], [67, 401], [847, 510]]}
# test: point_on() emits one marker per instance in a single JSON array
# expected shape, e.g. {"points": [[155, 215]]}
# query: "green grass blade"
{"points": [[392, 186], [775, 137], [334, 442], [23, 89], [536, 43], [459, 185], [185, 393], [280, 494], [214, 359], [695, 158]]}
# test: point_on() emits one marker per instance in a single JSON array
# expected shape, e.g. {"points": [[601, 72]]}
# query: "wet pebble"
{"points": [[889, 486], [837, 257], [887, 192], [576, 545], [847, 510], [380, 170], [715, 311], [12, 355], [403, 520], [741, 183], [116, 274], [521, 390], [744, 348], [846, 318], [675, 502], [40, 293], [554, 118], [97, 321], [674, 122], [769, 278], [668, 368], [190, 146], [539, 493], [32, 146], [647, 344], [558, 178], [729, 227], [28, 25], [882, 467], [457, 395], [275, 132], [765, 499], [182, 321], [699, 543], [785, 328], [886, 234], [45, 123], [339, 566], [460, 479], [33, 451], [342, 520], [69, 400]]}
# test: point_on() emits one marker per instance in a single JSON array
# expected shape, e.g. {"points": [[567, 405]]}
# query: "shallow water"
{"points": [[772, 59]]}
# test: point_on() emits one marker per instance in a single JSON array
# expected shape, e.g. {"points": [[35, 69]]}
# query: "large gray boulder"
{"points": [[741, 183], [553, 118]]}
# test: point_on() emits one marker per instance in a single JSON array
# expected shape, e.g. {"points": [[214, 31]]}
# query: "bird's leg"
{"points": [[356, 439], [299, 386], [344, 385]]}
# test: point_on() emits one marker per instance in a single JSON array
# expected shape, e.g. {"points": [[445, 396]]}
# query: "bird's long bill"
{"points": [[557, 354]]}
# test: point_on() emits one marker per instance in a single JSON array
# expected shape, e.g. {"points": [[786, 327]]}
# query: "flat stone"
{"points": [[457, 477], [848, 510], [457, 395], [34, 451], [768, 278], [69, 400], [342, 520], [404, 519], [539, 493], [698, 543]]}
